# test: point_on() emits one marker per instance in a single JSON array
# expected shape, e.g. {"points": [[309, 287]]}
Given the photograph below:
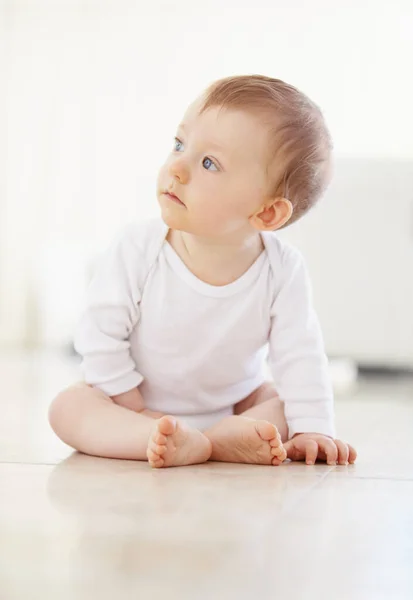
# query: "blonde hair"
{"points": [[300, 144]]}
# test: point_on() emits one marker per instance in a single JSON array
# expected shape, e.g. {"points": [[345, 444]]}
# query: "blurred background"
{"points": [[90, 95]]}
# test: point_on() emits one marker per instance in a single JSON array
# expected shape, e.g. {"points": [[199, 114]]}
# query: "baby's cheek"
{"points": [[222, 211], [241, 207]]}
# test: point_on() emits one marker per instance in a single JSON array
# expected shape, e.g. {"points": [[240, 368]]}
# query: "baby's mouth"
{"points": [[174, 198]]}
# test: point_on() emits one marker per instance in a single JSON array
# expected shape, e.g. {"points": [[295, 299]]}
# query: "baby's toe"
{"points": [[278, 451], [159, 438], [153, 457], [267, 431], [166, 426], [276, 441], [158, 449]]}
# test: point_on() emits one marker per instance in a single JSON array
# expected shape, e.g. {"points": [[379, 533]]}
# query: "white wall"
{"points": [[93, 91]]}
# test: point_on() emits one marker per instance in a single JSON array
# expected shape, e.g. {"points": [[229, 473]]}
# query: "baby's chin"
{"points": [[171, 217], [181, 223]]}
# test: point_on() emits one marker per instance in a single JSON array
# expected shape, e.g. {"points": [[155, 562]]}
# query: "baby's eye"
{"points": [[209, 165], [178, 145]]}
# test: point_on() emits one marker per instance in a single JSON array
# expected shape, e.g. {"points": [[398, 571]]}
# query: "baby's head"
{"points": [[251, 152]]}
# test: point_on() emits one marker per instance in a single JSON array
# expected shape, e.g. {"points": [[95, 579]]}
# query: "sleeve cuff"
{"points": [[322, 426], [120, 385]]}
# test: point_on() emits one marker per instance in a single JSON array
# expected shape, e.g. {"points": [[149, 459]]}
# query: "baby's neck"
{"points": [[217, 262]]}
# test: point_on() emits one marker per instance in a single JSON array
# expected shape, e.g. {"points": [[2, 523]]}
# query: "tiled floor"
{"points": [[76, 527]]}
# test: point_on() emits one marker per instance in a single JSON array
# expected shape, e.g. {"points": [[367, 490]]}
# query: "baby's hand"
{"points": [[310, 446]]}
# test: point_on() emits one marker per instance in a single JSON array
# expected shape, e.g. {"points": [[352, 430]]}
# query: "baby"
{"points": [[185, 312]]}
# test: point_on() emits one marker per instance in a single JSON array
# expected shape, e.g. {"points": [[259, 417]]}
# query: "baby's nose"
{"points": [[179, 170]]}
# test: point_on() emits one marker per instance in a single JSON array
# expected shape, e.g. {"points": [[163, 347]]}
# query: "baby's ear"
{"points": [[272, 215]]}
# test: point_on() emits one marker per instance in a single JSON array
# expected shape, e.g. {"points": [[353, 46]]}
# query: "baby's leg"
{"points": [[89, 421], [264, 403], [255, 432]]}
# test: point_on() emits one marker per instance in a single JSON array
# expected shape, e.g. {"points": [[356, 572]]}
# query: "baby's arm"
{"points": [[297, 358], [299, 367], [112, 311]]}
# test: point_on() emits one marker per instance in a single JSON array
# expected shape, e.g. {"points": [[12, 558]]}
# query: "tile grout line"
{"points": [[305, 492], [33, 464], [319, 480]]}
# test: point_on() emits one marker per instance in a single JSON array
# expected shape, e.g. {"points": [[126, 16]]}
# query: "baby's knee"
{"points": [[65, 409], [265, 392]]}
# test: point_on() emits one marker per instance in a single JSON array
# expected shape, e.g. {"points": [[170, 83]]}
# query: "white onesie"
{"points": [[196, 349]]}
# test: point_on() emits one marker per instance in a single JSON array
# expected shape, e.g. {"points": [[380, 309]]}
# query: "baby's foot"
{"points": [[243, 440], [172, 444]]}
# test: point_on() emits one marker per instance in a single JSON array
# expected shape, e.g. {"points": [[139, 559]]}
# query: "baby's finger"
{"points": [[330, 450], [343, 452], [352, 454], [311, 452]]}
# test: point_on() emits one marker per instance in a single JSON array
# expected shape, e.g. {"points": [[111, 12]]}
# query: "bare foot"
{"points": [[172, 444], [243, 440]]}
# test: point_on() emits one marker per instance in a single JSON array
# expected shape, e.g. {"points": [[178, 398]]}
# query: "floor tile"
{"points": [[115, 523], [78, 527]]}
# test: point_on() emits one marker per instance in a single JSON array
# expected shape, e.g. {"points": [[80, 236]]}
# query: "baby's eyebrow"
{"points": [[216, 146], [209, 143]]}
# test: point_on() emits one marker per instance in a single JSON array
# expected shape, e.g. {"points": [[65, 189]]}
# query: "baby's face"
{"points": [[217, 169]]}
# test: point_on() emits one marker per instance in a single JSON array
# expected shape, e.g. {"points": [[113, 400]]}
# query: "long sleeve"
{"points": [[297, 357], [111, 312]]}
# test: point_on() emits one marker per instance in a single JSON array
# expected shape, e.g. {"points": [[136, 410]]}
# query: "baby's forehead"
{"points": [[234, 128]]}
